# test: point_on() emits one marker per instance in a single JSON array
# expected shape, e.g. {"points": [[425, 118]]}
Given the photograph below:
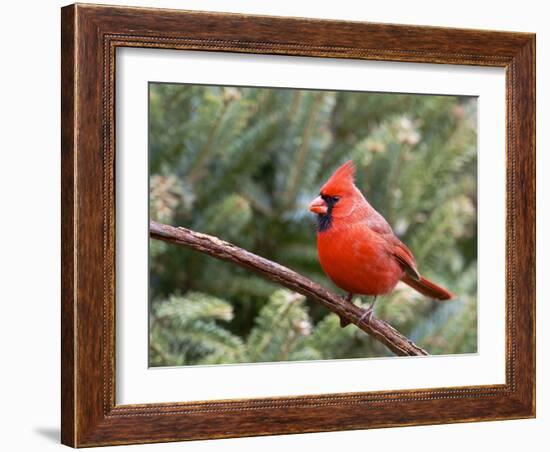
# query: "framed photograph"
{"points": [[281, 225]]}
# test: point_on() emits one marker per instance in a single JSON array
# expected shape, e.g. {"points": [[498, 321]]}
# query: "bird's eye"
{"points": [[330, 199]]}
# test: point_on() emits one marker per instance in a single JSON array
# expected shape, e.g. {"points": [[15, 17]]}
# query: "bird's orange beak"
{"points": [[318, 206]]}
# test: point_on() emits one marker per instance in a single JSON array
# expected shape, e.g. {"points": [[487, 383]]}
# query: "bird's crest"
{"points": [[342, 179]]}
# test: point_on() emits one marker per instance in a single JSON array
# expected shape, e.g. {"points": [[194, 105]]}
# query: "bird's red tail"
{"points": [[428, 288]]}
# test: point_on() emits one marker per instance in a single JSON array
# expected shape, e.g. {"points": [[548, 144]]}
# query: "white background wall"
{"points": [[29, 236]]}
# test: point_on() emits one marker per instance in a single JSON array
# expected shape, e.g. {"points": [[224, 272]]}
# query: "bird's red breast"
{"points": [[357, 259]]}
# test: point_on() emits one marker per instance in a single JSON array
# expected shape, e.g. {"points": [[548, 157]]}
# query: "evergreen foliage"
{"points": [[243, 164]]}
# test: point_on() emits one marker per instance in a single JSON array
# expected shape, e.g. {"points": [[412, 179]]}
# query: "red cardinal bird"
{"points": [[357, 248]]}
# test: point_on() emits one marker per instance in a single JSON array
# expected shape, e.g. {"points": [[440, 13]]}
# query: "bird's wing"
{"points": [[398, 249], [405, 258], [378, 223]]}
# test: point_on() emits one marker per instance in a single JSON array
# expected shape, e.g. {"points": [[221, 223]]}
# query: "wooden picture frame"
{"points": [[90, 36]]}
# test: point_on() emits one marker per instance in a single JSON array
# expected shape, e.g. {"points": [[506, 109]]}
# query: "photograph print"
{"points": [[371, 195]]}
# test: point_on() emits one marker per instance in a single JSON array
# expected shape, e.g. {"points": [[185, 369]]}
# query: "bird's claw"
{"points": [[366, 316]]}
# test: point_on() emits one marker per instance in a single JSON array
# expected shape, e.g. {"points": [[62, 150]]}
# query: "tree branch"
{"points": [[215, 247]]}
